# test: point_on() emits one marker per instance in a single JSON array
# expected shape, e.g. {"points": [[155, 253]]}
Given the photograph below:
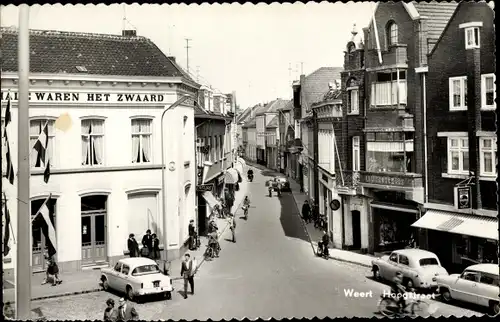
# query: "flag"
{"points": [[47, 227], [9, 174], [377, 39], [41, 146], [7, 114], [6, 226]]}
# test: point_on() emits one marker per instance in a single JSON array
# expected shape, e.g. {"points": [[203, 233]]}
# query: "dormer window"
{"points": [[471, 37], [392, 33]]}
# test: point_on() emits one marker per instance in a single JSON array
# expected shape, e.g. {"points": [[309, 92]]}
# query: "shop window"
{"points": [[385, 161], [458, 155]]}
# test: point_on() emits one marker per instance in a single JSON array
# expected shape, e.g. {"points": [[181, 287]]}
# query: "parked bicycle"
{"points": [[320, 222]]}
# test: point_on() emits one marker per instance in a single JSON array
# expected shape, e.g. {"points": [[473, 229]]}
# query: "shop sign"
{"points": [[334, 204], [464, 197], [384, 180], [204, 187], [85, 97]]}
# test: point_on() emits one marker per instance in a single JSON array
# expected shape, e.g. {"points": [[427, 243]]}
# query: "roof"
{"points": [[272, 106], [61, 52], [486, 267], [287, 107], [415, 252], [251, 123], [332, 95], [135, 261], [245, 114], [316, 84], [273, 122]]}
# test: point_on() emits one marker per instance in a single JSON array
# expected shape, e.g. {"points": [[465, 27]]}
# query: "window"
{"points": [[488, 156], [92, 142], [36, 127], [489, 279], [125, 269], [355, 153], [428, 261], [146, 269], [221, 143], [488, 92], [141, 140], [472, 37], [394, 258], [458, 93], [4, 149], [353, 101], [458, 155], [118, 267], [403, 260], [214, 149], [470, 276], [392, 33]]}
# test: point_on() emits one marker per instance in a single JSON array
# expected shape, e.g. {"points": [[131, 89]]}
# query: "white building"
{"points": [[104, 110]]}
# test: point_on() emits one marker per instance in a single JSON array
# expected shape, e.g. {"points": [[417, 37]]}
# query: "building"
{"points": [[272, 143], [287, 156], [243, 120], [389, 185], [214, 157], [308, 90], [460, 222], [95, 91]]}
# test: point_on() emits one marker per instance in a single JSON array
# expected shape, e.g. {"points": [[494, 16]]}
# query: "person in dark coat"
{"points": [[133, 246], [126, 311], [147, 244], [110, 313], [192, 235], [187, 273], [306, 211], [156, 247]]}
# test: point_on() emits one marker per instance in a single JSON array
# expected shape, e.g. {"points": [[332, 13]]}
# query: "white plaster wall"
{"points": [[348, 240], [260, 130]]}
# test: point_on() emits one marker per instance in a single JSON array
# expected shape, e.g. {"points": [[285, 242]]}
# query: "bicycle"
{"points": [[320, 222], [389, 307], [245, 211]]}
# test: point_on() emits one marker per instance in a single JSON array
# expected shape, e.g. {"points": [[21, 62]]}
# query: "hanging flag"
{"points": [[7, 114], [6, 227], [41, 146], [377, 39], [47, 227], [9, 172]]}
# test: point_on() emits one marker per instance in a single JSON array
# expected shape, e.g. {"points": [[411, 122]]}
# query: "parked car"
{"points": [[136, 277], [285, 184], [419, 267], [478, 284]]}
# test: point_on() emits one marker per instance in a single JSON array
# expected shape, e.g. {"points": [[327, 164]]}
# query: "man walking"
{"points": [[187, 273], [306, 210], [133, 246], [126, 311], [232, 226], [192, 235]]}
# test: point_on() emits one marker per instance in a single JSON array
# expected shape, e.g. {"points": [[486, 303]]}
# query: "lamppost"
{"points": [[174, 105]]}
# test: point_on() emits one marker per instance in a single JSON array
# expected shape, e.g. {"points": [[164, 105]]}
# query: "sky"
{"points": [[243, 48]]}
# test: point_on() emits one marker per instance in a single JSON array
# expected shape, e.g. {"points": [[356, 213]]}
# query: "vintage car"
{"points": [[285, 184], [419, 268], [136, 277], [478, 284]]}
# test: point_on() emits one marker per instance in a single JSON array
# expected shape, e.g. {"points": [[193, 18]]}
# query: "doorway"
{"points": [[93, 229], [39, 242], [202, 215], [356, 229]]}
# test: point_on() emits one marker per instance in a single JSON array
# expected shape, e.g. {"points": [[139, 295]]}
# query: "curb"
{"points": [[66, 294], [345, 260]]}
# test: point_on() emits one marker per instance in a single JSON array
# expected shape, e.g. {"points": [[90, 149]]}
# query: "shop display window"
{"points": [[477, 250]]}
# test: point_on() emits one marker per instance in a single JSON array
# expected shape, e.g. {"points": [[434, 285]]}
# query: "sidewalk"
{"points": [[87, 281]]}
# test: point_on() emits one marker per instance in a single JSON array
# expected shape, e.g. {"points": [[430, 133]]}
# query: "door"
{"points": [[390, 268], [202, 215], [356, 229], [37, 248], [113, 275], [466, 287], [93, 237]]}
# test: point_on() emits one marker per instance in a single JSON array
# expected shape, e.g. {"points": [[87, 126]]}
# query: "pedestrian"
{"points": [[192, 235], [110, 312], [212, 225], [306, 210], [52, 269], [156, 247], [133, 246], [232, 226], [126, 311], [187, 274], [8, 312], [147, 244]]}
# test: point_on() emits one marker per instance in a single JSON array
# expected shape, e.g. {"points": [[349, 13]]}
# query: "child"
{"points": [[52, 269]]}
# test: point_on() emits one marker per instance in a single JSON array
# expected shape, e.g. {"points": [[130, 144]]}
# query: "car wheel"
{"points": [[105, 283], [130, 293], [168, 295], [376, 273], [445, 294], [495, 308]]}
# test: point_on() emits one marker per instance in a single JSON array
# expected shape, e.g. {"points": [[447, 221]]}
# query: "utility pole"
{"points": [[23, 263], [187, 53]]}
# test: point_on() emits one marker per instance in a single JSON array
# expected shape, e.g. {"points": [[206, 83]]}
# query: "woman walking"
{"points": [[110, 312]]}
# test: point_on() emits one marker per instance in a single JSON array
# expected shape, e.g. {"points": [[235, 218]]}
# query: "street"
{"points": [[269, 272]]}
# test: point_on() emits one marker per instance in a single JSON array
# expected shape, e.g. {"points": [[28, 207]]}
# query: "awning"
{"points": [[470, 225], [212, 172], [239, 167], [243, 163], [231, 176], [210, 199]]}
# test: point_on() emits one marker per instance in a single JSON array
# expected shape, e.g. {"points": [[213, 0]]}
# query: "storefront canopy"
{"points": [[243, 163], [231, 176], [210, 199], [239, 167], [470, 225]]}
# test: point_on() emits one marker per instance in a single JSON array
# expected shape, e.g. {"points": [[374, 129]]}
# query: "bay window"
{"points": [[488, 92], [389, 89], [36, 128], [389, 152], [488, 156], [92, 142], [458, 155], [141, 140], [458, 93]]}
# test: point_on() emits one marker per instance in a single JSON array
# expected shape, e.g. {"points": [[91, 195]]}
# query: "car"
{"points": [[136, 277], [478, 284], [419, 268], [285, 184]]}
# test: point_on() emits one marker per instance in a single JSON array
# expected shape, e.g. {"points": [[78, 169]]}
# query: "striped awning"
{"points": [[239, 167], [210, 199], [231, 176], [463, 224]]}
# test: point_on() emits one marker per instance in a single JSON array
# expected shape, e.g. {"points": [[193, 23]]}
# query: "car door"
{"points": [[113, 275], [404, 266], [391, 267], [487, 288], [123, 278], [466, 287]]}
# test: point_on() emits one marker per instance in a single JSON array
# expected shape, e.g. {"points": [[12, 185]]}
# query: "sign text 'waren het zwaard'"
{"points": [[81, 97]]}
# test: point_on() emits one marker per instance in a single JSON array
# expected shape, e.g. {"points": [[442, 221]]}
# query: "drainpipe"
{"points": [[315, 156], [164, 196], [196, 171], [426, 174]]}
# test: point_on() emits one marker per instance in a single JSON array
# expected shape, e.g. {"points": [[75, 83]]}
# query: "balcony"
{"points": [[347, 182], [385, 94], [396, 55]]}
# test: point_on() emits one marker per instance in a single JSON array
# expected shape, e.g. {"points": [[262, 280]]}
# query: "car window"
{"points": [[146, 269], [470, 276], [428, 261], [489, 279], [394, 257], [118, 267], [125, 269], [403, 260]]}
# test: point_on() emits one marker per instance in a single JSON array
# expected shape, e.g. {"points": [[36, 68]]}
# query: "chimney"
{"points": [[172, 58], [129, 33]]}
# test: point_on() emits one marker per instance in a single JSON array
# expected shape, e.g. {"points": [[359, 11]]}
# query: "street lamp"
{"points": [[174, 105]]}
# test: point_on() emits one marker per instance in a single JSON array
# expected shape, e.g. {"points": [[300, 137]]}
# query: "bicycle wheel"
{"points": [[388, 307], [421, 309]]}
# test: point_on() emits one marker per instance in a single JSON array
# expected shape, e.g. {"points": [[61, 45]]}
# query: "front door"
{"points": [[356, 229], [38, 238], [93, 237]]}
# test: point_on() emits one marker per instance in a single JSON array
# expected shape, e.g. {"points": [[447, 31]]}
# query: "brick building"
{"points": [[460, 224]]}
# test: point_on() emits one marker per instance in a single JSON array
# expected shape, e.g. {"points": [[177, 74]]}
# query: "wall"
{"points": [[261, 129]]}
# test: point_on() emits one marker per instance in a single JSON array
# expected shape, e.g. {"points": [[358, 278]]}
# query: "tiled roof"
{"points": [[274, 122], [251, 123], [273, 106], [288, 106], [61, 52], [245, 115], [438, 14], [316, 84]]}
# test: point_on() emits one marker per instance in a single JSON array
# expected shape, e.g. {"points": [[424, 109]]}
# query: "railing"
{"points": [[386, 93], [347, 182], [396, 55]]}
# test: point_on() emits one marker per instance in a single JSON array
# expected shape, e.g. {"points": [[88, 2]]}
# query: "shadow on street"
{"points": [[268, 173], [290, 221]]}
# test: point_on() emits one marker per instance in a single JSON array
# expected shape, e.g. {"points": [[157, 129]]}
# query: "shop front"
{"points": [[459, 239], [208, 194], [326, 196]]}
